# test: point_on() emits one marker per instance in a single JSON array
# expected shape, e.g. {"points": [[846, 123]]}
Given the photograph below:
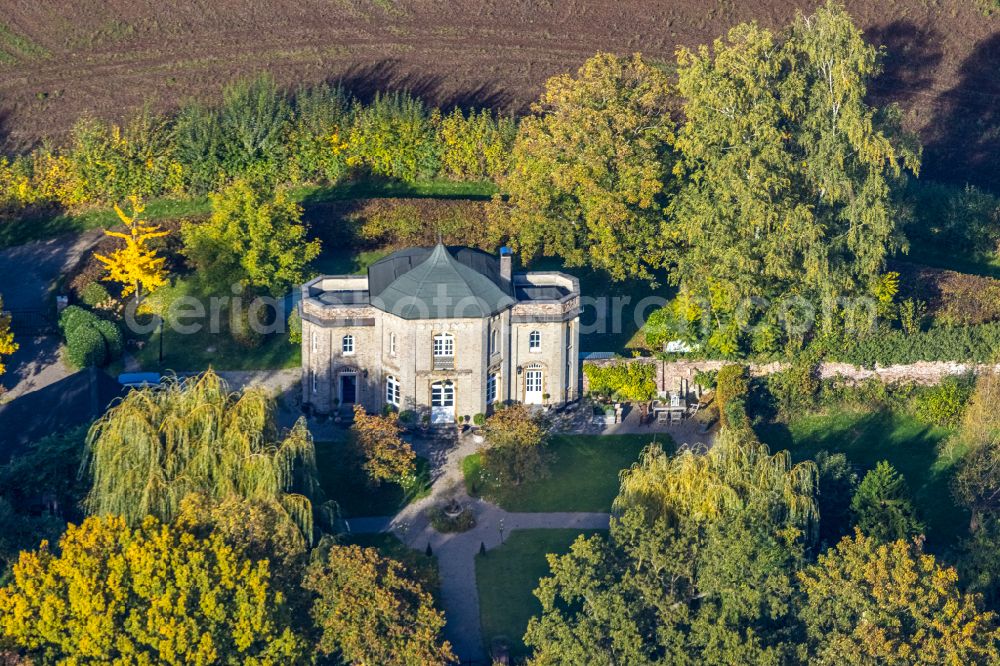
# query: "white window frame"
{"points": [[392, 392], [347, 345], [443, 394], [536, 396], [392, 344], [444, 345], [494, 340], [491, 388], [535, 342]]}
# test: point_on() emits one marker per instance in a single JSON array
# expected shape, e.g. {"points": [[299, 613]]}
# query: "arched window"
{"points": [[442, 394], [347, 345], [494, 341], [535, 341], [315, 342], [491, 388], [392, 344], [392, 391]]}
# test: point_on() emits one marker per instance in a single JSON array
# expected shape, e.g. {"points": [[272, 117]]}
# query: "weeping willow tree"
{"points": [[737, 474], [157, 446]]}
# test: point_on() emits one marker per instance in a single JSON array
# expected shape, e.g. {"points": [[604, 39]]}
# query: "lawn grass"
{"points": [[867, 437], [584, 476], [203, 348], [985, 264], [344, 482], [506, 578], [54, 223]]}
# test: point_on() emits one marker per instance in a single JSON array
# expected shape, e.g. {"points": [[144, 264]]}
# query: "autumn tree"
{"points": [[387, 457], [977, 483], [589, 177], [787, 172], [515, 446], [368, 610], [135, 266], [259, 529], [253, 239], [7, 344], [882, 506], [869, 602], [698, 566], [149, 594], [156, 446]]}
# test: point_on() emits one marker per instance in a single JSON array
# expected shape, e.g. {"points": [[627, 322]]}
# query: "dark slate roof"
{"points": [[439, 283]]}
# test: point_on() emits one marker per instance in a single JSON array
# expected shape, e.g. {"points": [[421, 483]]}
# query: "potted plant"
{"points": [[425, 422], [336, 411], [478, 421], [545, 401], [407, 418]]}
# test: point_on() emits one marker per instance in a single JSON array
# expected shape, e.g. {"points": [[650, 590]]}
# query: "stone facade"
{"points": [[353, 352]]}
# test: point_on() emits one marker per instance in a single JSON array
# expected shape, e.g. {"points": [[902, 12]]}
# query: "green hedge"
{"points": [[85, 347], [94, 294], [90, 340], [971, 344]]}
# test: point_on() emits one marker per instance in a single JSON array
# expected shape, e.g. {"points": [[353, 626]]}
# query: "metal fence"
{"points": [[36, 321]]}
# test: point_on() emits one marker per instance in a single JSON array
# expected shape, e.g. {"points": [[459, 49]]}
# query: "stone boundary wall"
{"points": [[671, 374]]}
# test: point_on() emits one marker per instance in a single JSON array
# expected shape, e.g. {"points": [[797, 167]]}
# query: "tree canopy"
{"points": [[152, 594], [868, 602], [369, 611], [156, 446], [882, 506], [387, 457], [698, 566], [7, 344], [589, 178], [136, 265], [786, 170], [253, 239]]}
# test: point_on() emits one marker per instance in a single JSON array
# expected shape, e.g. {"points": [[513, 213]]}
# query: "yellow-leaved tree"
{"points": [[156, 594], [136, 265], [7, 344]]}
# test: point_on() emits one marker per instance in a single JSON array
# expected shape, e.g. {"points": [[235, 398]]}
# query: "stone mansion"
{"points": [[447, 332]]}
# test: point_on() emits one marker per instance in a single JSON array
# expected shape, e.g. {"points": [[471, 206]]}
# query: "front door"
{"points": [[348, 389], [442, 402], [533, 387]]}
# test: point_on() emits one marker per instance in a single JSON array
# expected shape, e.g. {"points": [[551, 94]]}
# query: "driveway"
{"points": [[28, 274]]}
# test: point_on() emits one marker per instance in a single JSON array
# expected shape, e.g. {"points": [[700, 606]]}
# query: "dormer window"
{"points": [[535, 341], [347, 345]]}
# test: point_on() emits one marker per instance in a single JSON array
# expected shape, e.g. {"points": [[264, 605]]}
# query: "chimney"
{"points": [[506, 256]]}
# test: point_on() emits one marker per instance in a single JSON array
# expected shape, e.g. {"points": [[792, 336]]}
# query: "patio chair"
{"points": [[662, 417], [675, 417]]}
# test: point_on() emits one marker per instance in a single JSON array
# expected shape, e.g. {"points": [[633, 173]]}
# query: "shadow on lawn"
{"points": [[867, 438]]}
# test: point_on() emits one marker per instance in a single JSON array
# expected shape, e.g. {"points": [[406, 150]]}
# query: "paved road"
{"points": [[28, 273]]}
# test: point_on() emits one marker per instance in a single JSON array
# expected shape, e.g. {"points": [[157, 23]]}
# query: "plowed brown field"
{"points": [[108, 56]]}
